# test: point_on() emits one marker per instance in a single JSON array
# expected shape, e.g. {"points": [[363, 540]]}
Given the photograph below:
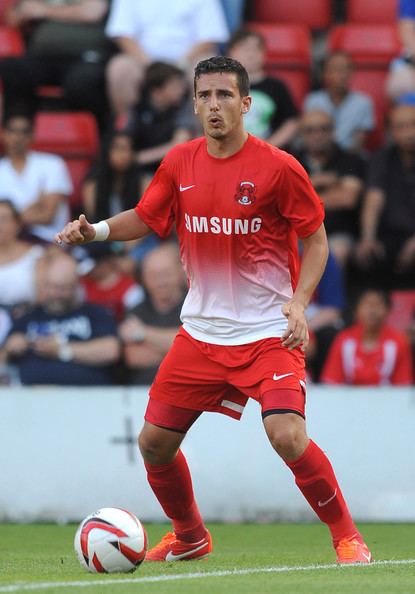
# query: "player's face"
{"points": [[219, 105]]}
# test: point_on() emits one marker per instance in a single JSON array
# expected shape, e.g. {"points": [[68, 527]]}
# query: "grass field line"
{"points": [[26, 587]]}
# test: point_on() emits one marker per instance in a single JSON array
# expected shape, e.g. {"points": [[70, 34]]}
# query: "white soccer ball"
{"points": [[111, 540]]}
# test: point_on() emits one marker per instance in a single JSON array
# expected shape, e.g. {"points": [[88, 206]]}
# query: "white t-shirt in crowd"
{"points": [[17, 278], [43, 174], [168, 30]]}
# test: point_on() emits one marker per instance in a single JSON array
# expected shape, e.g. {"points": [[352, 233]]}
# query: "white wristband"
{"points": [[102, 231]]}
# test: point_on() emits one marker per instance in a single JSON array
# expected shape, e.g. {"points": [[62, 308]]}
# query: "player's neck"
{"points": [[221, 148]]}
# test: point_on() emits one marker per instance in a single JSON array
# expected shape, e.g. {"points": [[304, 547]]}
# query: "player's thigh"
{"points": [[188, 378]]}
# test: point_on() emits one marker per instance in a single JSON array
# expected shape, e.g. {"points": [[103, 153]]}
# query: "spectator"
{"points": [[62, 341], [352, 112], [337, 176], [181, 32], [114, 182], [37, 183], [160, 121], [103, 281], [67, 46], [273, 115], [150, 329], [400, 84], [386, 250], [17, 260], [324, 315], [369, 352]]}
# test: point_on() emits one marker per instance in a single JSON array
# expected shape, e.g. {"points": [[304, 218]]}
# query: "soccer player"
{"points": [[239, 206]]}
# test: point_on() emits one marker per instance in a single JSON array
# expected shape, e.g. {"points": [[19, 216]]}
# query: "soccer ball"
{"points": [[111, 540]]}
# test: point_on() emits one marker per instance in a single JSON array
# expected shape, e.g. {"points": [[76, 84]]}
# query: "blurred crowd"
{"points": [[107, 313]]}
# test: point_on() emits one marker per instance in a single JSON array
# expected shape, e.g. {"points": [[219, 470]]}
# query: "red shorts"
{"points": [[199, 376]]}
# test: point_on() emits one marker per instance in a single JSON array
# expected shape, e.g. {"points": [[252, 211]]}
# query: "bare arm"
{"points": [[407, 34], [285, 133], [343, 194], [369, 247], [123, 227], [315, 253], [88, 11], [129, 46], [43, 211]]}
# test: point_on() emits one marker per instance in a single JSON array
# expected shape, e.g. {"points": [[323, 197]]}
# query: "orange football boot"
{"points": [[170, 548]]}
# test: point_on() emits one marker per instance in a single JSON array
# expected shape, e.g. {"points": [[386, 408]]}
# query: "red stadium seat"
{"points": [[297, 81], [288, 46], [316, 14], [372, 11], [74, 137], [368, 45], [11, 42], [69, 134], [372, 83]]}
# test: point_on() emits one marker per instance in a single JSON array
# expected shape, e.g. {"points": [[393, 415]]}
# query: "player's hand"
{"points": [[296, 333], [76, 232]]}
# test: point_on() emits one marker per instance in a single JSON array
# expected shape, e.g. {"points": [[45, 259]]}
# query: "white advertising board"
{"points": [[65, 452]]}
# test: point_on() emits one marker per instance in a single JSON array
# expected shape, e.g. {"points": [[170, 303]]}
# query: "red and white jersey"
{"points": [[389, 362], [237, 220]]}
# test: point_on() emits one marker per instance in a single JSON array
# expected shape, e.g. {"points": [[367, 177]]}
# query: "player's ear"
{"points": [[246, 104], [195, 106]]}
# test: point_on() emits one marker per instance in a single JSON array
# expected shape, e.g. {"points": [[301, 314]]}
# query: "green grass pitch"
{"points": [[247, 559]]}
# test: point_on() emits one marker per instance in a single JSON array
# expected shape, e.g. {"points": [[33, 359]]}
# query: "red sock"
{"points": [[316, 480], [172, 485]]}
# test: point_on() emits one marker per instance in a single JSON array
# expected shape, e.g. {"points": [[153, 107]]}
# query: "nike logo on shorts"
{"points": [[276, 377], [323, 503], [184, 188]]}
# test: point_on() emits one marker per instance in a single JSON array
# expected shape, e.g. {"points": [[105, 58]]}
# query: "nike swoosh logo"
{"points": [[184, 188], [172, 557], [276, 377], [323, 503], [367, 557]]}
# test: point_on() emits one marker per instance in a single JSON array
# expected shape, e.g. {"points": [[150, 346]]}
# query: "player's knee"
{"points": [[154, 450], [287, 441]]}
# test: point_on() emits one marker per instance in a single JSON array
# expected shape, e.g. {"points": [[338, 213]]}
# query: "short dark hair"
{"points": [[159, 73], [224, 64], [243, 34], [18, 114]]}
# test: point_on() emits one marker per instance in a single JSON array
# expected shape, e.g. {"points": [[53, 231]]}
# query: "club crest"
{"points": [[245, 193]]}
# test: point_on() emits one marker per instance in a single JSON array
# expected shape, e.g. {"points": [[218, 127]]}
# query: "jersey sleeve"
{"points": [[156, 207], [298, 201]]}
